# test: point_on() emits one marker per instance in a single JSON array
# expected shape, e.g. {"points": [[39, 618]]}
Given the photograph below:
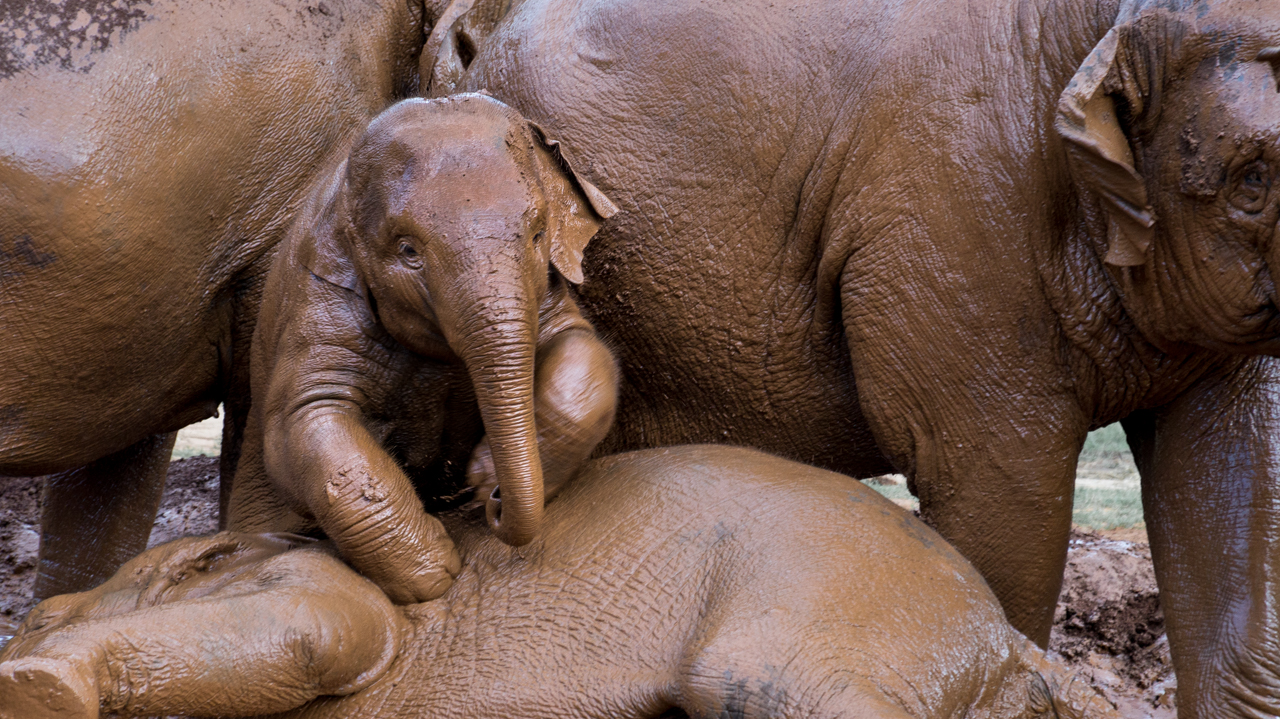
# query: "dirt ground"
{"points": [[1108, 626]]}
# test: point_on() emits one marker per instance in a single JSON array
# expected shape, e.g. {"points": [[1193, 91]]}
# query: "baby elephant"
{"points": [[699, 580], [417, 331]]}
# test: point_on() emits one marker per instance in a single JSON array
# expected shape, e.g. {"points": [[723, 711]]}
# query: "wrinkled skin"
{"points": [[421, 300], [151, 157], [753, 587], [1011, 221]]}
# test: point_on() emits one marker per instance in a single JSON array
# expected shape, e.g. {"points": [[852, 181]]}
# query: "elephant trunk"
{"points": [[499, 356]]}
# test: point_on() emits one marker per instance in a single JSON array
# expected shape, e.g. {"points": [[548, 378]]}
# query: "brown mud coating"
{"points": [[420, 301], [700, 581], [152, 154], [1010, 220], [1100, 629]]}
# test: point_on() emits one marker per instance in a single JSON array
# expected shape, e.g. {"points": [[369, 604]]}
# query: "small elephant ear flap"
{"points": [[578, 208], [322, 250], [1099, 152]]}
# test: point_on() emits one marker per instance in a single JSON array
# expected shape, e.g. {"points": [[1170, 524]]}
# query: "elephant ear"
{"points": [[447, 52], [1098, 150], [577, 207], [321, 248]]}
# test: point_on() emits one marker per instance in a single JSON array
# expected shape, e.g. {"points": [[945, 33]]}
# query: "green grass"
{"points": [[1098, 508]]}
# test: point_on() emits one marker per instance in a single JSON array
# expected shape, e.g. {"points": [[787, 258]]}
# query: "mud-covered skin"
{"points": [[151, 156], [421, 302], [68, 34], [920, 196], [699, 581]]}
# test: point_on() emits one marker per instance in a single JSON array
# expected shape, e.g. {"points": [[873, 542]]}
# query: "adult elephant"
{"points": [[947, 239], [151, 156]]}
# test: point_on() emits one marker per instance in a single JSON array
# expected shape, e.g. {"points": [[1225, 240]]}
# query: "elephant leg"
{"points": [[97, 517], [253, 504], [984, 422], [738, 670], [574, 396], [1210, 471], [236, 400]]}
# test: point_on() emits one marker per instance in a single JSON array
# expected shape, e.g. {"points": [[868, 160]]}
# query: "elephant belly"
{"points": [[432, 424], [77, 387], [809, 413]]}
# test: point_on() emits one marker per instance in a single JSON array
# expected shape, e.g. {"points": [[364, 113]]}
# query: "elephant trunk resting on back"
{"points": [[420, 299], [708, 581]]}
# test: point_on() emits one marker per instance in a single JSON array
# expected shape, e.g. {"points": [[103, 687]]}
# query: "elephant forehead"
{"points": [[1238, 16], [455, 186], [1233, 103]]}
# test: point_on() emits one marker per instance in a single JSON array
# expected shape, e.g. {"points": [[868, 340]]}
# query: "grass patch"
{"points": [[1099, 508], [1106, 455]]}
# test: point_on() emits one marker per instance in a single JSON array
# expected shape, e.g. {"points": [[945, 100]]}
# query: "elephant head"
{"points": [[449, 218], [1173, 124]]}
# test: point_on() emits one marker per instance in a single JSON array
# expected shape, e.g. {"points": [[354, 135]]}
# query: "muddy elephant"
{"points": [[421, 301], [151, 156], [947, 239], [765, 588]]}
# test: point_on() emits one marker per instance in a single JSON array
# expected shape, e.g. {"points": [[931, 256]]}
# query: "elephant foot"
{"points": [[36, 688]]}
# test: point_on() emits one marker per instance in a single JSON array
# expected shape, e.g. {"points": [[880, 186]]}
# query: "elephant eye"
{"points": [[410, 254], [538, 237], [1251, 191]]}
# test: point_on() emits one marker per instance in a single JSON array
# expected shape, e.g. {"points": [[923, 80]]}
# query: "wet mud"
{"points": [[1108, 625]]}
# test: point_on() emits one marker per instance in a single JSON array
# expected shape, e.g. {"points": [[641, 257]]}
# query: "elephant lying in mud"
{"points": [[1011, 221], [762, 588], [151, 156], [420, 301]]}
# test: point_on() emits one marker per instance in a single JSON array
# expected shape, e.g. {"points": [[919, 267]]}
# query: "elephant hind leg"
{"points": [[99, 516]]}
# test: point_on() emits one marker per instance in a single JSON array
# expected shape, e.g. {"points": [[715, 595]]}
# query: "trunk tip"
{"points": [[511, 531]]}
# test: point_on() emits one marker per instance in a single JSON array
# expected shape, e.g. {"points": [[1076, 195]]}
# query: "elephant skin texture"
{"points": [[689, 581], [152, 154], [1010, 221], [421, 301]]}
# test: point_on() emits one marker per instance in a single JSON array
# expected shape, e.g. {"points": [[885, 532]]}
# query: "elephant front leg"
{"points": [[1210, 470], [97, 517], [983, 421], [235, 627], [326, 465], [1002, 496]]}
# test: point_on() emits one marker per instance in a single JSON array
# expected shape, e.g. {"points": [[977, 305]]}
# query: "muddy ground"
{"points": [[1108, 624]]}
